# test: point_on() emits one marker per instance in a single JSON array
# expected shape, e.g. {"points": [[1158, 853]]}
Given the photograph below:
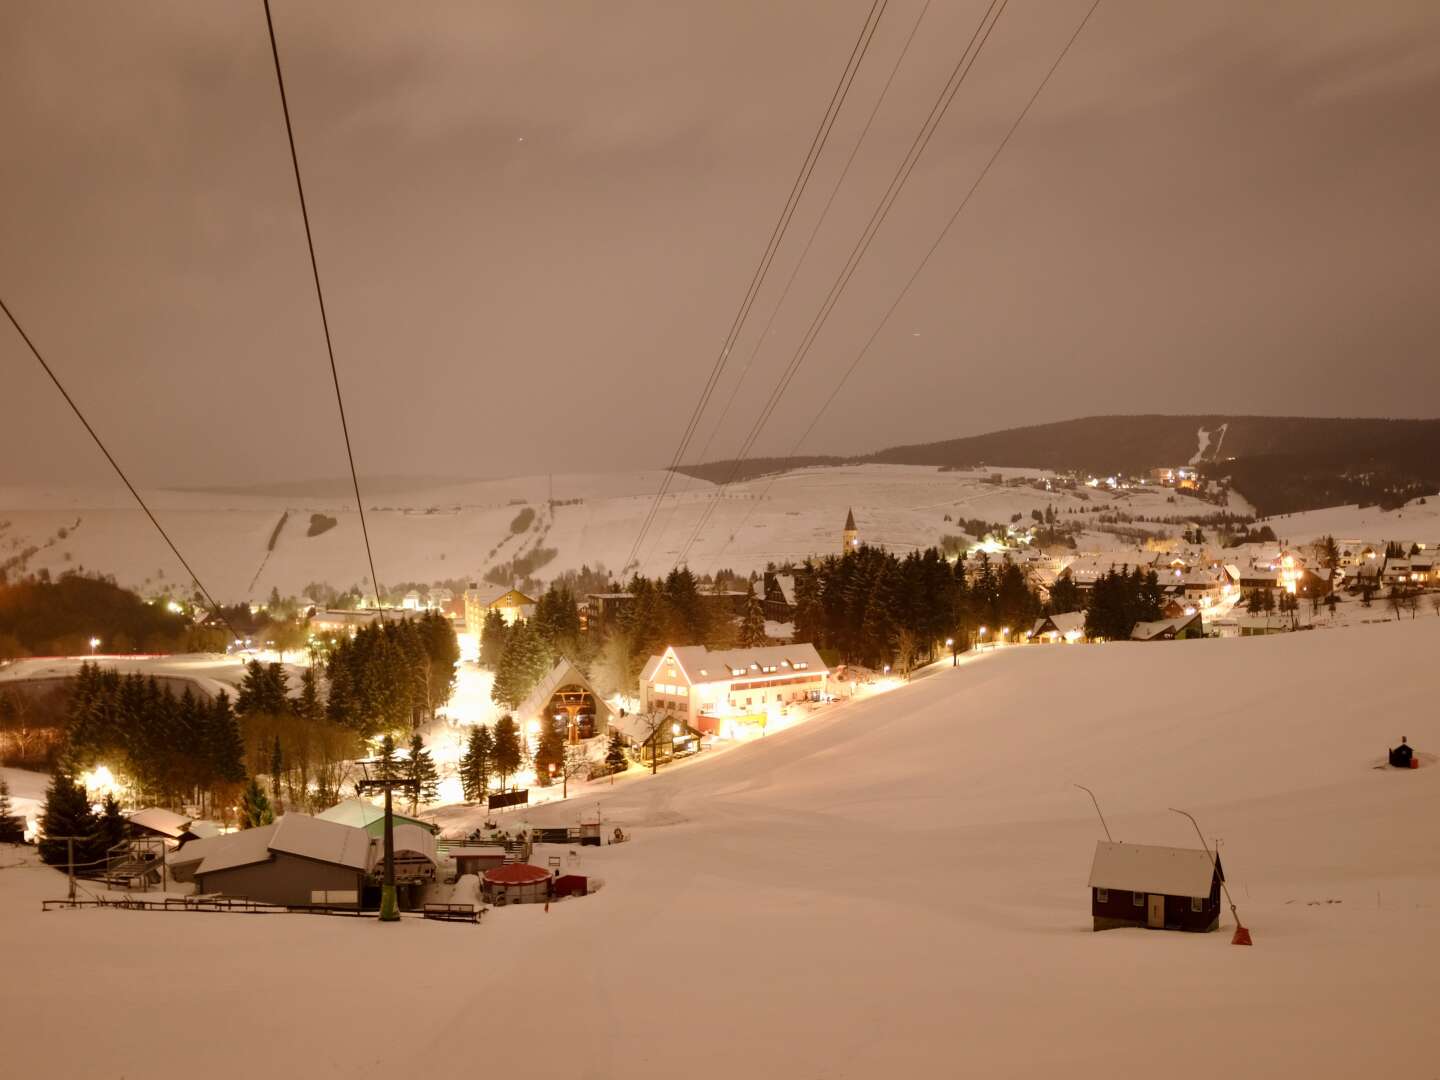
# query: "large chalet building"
{"points": [[703, 686]]}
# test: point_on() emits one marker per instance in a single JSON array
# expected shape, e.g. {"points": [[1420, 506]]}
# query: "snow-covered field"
{"points": [[896, 888], [1416, 522], [450, 532]]}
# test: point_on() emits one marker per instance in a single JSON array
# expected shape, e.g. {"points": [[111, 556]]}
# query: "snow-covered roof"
{"points": [[166, 822], [361, 813], [786, 585], [323, 841], [1148, 868], [564, 673], [698, 664], [413, 839], [1149, 631], [243, 848]]}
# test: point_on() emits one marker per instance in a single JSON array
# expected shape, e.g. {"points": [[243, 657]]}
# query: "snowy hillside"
{"points": [[1416, 522], [898, 888], [461, 531]]}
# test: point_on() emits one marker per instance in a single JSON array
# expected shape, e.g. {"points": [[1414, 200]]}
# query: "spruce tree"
{"points": [[507, 753], [752, 626], [493, 634], [420, 769], [308, 706], [550, 751], [67, 813], [226, 749], [12, 828], [615, 758], [477, 764], [111, 825], [255, 809], [387, 767], [277, 767]]}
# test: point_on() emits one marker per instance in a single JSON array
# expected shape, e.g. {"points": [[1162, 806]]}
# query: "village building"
{"points": [[512, 604], [566, 696], [602, 612], [657, 735], [778, 596], [295, 861], [850, 535], [1183, 628], [341, 621], [702, 687], [1162, 888], [1064, 628]]}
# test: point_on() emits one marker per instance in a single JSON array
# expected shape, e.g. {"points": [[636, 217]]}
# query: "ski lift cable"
{"points": [[320, 298], [963, 66], [797, 190]]}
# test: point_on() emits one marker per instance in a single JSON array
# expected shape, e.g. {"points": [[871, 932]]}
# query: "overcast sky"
{"points": [[535, 221]]}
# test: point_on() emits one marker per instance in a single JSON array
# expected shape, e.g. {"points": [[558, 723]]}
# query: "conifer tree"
{"points": [[308, 706], [12, 828], [507, 753], [550, 751], [477, 764], [67, 813], [752, 625], [226, 749], [277, 766], [527, 658], [493, 633], [110, 826], [387, 766], [420, 769], [255, 809], [615, 758]]}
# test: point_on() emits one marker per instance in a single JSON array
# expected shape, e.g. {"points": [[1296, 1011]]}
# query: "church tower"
{"points": [[850, 538]]}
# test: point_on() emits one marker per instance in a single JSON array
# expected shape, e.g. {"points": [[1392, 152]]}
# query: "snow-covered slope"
{"points": [[462, 530], [896, 889], [1416, 522]]}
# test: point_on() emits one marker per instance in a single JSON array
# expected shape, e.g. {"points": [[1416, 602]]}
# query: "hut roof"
{"points": [[166, 822], [1148, 868], [516, 874], [564, 673]]}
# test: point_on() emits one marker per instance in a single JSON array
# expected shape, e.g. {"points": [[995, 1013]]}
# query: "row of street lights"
{"points": [[950, 644]]}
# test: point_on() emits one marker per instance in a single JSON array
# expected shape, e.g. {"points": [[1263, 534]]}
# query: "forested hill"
{"points": [[1280, 463]]}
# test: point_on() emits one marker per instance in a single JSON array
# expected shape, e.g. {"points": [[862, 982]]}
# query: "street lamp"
{"points": [[94, 644], [954, 655], [982, 636]]}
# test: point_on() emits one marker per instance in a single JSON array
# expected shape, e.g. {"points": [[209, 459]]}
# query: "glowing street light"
{"points": [[94, 644], [954, 654]]}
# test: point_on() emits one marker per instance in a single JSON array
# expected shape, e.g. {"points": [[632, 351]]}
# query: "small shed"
{"points": [[1183, 628], [297, 861], [1162, 888], [475, 858], [517, 883], [166, 824]]}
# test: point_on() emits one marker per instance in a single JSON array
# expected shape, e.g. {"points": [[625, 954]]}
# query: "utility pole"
{"points": [[70, 858], [389, 906]]}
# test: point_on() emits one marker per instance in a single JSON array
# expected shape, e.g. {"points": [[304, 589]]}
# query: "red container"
{"points": [[1414, 763]]}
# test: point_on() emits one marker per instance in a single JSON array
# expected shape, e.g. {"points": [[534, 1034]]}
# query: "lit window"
{"points": [[1197, 903], [1138, 899], [1102, 896]]}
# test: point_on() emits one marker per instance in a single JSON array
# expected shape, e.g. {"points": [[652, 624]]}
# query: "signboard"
{"points": [[500, 799]]}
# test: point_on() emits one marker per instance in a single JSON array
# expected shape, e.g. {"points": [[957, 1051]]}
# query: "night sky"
{"points": [[535, 221]]}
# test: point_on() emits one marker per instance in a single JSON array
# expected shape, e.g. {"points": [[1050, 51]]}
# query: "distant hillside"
{"points": [[1280, 463]]}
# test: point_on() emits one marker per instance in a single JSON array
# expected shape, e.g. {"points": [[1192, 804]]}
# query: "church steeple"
{"points": [[850, 538]]}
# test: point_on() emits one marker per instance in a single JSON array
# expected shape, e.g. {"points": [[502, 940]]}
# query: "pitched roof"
{"points": [[850, 520], [243, 848], [699, 664], [1148, 868], [166, 822], [564, 673], [1149, 631], [362, 813], [323, 841]]}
